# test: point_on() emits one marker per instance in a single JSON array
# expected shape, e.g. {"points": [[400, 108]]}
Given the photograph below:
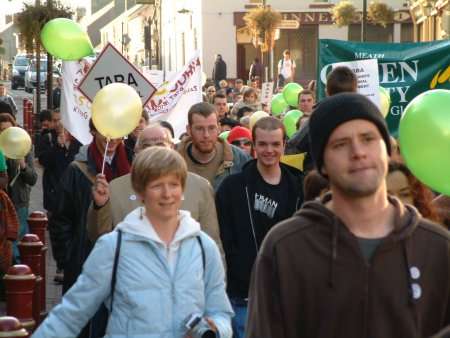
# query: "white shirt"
{"points": [[286, 67]]}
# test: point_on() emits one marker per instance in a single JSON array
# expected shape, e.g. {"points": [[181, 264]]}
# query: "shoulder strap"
{"points": [[84, 169], [199, 240], [116, 263]]}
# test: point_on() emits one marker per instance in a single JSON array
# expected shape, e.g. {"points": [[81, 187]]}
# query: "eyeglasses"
{"points": [[211, 91], [239, 143]]}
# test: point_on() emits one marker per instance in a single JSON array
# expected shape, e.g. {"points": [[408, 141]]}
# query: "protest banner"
{"points": [[405, 69], [176, 95]]}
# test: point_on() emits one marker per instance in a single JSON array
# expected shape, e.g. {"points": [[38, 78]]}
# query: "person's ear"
{"points": [[188, 130]]}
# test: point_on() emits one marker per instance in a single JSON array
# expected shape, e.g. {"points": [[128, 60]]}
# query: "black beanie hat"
{"points": [[337, 109]]}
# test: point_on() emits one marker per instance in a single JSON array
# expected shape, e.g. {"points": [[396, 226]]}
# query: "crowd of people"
{"points": [[214, 236]]}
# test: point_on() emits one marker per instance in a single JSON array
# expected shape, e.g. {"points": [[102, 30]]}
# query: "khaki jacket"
{"points": [[198, 200]]}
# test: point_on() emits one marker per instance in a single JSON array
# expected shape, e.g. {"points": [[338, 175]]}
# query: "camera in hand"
{"points": [[198, 327]]}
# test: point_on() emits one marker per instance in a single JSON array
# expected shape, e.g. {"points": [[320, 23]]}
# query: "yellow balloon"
{"points": [[116, 110], [15, 143], [385, 101], [256, 116]]}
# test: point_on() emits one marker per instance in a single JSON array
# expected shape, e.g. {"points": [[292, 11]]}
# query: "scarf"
{"points": [[120, 162]]}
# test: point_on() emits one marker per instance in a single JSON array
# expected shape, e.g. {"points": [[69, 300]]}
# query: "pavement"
{"points": [[53, 291]]}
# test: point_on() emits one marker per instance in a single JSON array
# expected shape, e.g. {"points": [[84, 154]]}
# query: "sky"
{"points": [[8, 7]]}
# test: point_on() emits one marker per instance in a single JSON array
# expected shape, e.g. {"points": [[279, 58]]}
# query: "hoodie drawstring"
{"points": [[414, 289], [333, 256], [251, 220]]}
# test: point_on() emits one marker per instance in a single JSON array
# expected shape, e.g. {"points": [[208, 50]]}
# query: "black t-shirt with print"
{"points": [[269, 205]]}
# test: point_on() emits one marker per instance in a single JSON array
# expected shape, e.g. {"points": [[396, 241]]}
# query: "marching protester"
{"points": [[6, 98], [111, 202], [220, 102], [158, 273], [358, 263], [249, 204], [204, 152], [250, 99], [241, 137], [130, 141], [21, 177], [406, 187]]}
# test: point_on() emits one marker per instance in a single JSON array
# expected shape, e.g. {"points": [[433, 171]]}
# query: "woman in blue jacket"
{"points": [[169, 277]]}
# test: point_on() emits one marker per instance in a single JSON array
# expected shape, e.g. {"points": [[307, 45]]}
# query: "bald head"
{"points": [[153, 135]]}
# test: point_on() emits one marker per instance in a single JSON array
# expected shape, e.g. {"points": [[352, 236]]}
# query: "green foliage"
{"points": [[31, 20], [380, 13], [262, 22], [344, 13]]}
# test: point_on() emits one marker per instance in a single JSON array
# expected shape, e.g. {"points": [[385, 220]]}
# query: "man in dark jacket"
{"points": [[249, 204], [219, 71], [359, 263], [68, 225]]}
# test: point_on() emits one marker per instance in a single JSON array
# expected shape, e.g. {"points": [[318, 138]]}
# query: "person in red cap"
{"points": [[241, 137]]}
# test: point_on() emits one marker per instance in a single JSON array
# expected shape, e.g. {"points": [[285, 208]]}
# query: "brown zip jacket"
{"points": [[311, 280]]}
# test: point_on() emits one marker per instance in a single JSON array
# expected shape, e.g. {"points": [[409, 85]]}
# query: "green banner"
{"points": [[405, 69]]}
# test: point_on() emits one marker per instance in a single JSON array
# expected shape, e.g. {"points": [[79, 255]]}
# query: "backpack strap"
{"points": [[199, 240], [114, 271]]}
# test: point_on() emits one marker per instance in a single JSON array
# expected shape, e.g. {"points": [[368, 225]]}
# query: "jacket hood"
{"points": [[133, 224], [406, 217]]}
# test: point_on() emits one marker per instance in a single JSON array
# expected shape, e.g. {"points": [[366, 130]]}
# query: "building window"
{"points": [[374, 33]]}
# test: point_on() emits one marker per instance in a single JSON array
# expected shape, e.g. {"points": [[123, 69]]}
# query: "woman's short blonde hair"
{"points": [[155, 162]]}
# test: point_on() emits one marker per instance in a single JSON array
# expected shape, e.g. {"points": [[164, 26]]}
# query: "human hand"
{"points": [[100, 190]]}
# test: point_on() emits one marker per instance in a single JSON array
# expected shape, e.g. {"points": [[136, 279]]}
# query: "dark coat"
{"points": [[219, 71], [55, 159], [236, 216], [20, 188]]}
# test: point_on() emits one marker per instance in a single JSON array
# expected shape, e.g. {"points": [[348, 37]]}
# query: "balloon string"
{"points": [[104, 156]]}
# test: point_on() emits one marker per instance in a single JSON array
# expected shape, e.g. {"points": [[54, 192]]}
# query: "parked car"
{"points": [[20, 65], [31, 76]]}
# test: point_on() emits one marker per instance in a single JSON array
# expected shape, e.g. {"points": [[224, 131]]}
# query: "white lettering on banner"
{"points": [[265, 205], [175, 96]]}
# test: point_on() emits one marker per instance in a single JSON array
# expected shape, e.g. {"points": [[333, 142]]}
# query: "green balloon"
{"points": [[278, 104], [224, 135], [425, 139], [290, 93], [65, 39], [290, 121]]}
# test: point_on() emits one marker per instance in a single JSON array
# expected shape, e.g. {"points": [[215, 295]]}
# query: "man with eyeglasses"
{"points": [[205, 153], [113, 201], [249, 204], [242, 138]]}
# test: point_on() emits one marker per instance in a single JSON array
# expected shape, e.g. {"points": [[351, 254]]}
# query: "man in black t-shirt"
{"points": [[249, 204]]}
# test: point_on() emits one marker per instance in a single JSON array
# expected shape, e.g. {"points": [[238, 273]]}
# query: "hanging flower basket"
{"points": [[262, 23], [380, 13], [344, 13]]}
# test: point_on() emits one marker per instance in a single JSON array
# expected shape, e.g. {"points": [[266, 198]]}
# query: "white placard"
{"points": [[112, 67], [367, 74], [266, 92]]}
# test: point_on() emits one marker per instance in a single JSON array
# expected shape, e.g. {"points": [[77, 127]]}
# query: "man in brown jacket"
{"points": [[359, 263], [113, 201]]}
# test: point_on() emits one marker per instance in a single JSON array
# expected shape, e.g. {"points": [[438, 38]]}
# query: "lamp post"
{"points": [[49, 69], [364, 21], [38, 70]]}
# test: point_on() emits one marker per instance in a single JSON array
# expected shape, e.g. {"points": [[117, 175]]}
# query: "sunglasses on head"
{"points": [[241, 143]]}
